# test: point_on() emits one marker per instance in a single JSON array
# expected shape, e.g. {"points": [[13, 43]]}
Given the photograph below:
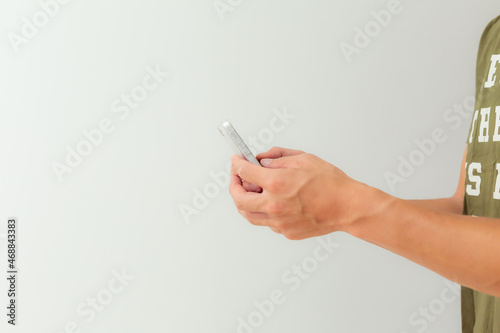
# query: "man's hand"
{"points": [[275, 152], [303, 196], [297, 194]]}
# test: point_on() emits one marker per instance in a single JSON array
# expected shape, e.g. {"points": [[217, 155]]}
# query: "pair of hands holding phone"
{"points": [[297, 194]]}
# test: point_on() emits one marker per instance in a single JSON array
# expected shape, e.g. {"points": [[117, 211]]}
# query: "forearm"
{"points": [[461, 248], [444, 205]]}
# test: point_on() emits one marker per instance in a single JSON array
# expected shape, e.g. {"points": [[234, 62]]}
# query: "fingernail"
{"points": [[265, 161], [254, 187]]}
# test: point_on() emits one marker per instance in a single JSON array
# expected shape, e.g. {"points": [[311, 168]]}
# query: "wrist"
{"points": [[372, 204]]}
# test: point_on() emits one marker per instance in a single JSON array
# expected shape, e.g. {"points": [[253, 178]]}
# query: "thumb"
{"points": [[278, 163]]}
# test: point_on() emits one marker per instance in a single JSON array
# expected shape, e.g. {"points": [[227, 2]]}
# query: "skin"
{"points": [[300, 196]]}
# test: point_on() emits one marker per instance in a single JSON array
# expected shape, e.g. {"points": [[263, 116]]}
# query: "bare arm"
{"points": [[304, 196], [452, 204], [462, 248]]}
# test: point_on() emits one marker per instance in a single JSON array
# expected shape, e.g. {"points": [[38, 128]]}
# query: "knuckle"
{"points": [[247, 217], [242, 172], [276, 230], [309, 157], [281, 225], [238, 203], [242, 213], [308, 160], [275, 207], [234, 169], [275, 184], [291, 236], [232, 192], [250, 220]]}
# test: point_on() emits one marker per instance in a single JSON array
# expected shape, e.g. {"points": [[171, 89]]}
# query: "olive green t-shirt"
{"points": [[481, 312]]}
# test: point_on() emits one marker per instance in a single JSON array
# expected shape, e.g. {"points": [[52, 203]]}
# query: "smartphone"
{"points": [[236, 142]]}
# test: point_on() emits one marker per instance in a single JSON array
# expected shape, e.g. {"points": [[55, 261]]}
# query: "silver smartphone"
{"points": [[236, 142]]}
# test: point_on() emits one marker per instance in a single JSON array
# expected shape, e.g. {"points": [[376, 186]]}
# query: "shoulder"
{"points": [[491, 27]]}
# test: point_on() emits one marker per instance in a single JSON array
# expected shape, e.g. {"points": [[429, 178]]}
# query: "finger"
{"points": [[251, 187], [256, 218], [293, 161], [246, 186], [277, 152], [245, 201], [235, 185], [303, 234], [250, 172], [297, 231], [276, 230]]}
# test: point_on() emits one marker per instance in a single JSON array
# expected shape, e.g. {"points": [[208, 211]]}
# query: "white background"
{"points": [[119, 209]]}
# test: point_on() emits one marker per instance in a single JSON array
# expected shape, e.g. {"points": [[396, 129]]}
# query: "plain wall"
{"points": [[119, 208]]}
